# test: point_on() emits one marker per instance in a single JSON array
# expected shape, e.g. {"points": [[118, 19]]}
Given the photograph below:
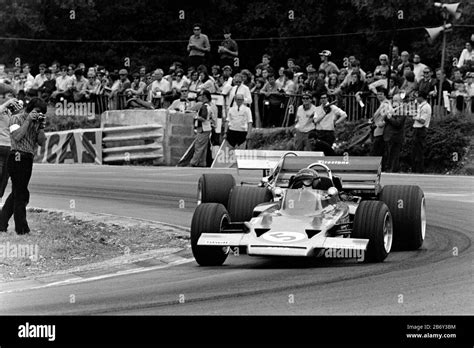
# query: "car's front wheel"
{"points": [[373, 221], [209, 218]]}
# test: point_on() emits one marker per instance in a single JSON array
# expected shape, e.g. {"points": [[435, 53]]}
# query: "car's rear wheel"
{"points": [[215, 188], [373, 221], [243, 199], [209, 218], [407, 206]]}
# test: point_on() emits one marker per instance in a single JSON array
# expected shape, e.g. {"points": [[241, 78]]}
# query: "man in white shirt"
{"points": [[238, 123], [418, 67], [40, 78], [466, 56], [304, 123], [227, 76], [326, 117], [63, 85], [159, 86], [421, 123], [239, 88]]}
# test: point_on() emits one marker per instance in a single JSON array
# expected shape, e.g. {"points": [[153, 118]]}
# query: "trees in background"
{"points": [[368, 23]]}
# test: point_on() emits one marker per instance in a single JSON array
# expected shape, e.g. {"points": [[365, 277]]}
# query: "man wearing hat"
{"points": [[228, 49], [124, 81], [304, 123], [326, 64]]}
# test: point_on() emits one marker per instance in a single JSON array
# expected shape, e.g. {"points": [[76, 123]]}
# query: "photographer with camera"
{"points": [[26, 131], [11, 106]]}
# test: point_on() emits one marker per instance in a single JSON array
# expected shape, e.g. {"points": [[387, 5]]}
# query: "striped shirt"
{"points": [[29, 142]]}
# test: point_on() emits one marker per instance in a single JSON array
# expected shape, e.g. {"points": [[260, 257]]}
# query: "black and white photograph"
{"points": [[222, 172]]}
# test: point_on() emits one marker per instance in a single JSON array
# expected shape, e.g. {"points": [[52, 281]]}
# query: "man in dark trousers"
{"points": [[421, 123], [26, 131], [393, 135]]}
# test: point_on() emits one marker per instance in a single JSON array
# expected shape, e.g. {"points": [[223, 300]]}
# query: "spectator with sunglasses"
{"points": [[381, 71], [182, 104], [198, 46]]}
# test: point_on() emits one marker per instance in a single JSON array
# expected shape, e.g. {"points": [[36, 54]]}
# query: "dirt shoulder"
{"points": [[64, 241]]}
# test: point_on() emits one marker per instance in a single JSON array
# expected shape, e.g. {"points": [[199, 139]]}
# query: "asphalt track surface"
{"points": [[435, 280]]}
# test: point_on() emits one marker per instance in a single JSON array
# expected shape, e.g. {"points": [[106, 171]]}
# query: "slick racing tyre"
{"points": [[407, 206], [209, 218], [373, 221], [243, 199], [215, 188]]}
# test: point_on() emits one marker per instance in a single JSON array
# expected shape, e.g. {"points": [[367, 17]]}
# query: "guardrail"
{"points": [[285, 112], [131, 143], [262, 111]]}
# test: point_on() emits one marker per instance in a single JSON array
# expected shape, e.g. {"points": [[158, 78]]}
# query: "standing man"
{"points": [[418, 67], [228, 50], [239, 88], [198, 46], [393, 134], [238, 123], [203, 128], [272, 109], [27, 131], [420, 125], [378, 120], [326, 118], [12, 104], [326, 64], [304, 123]]}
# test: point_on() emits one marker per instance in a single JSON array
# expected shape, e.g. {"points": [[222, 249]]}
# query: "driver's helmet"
{"points": [[305, 177]]}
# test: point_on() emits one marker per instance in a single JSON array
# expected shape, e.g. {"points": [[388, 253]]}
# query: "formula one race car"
{"points": [[302, 209]]}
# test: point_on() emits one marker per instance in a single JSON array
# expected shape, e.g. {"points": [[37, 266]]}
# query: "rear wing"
{"points": [[360, 175], [267, 160]]}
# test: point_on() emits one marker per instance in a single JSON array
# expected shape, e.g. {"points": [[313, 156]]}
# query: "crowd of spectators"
{"points": [[157, 88]]}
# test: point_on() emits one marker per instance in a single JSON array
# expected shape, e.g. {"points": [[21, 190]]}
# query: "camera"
{"points": [[41, 118], [18, 105]]}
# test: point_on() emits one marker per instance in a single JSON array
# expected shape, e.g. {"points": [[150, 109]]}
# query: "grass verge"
{"points": [[61, 240]]}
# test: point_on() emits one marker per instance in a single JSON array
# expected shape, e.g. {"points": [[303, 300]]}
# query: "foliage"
{"points": [[56, 123], [446, 144], [370, 22]]}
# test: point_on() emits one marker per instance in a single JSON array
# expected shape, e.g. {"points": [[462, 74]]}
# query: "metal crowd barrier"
{"points": [[283, 115]]}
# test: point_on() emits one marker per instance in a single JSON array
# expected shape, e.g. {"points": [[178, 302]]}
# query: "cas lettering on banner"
{"points": [[73, 146]]}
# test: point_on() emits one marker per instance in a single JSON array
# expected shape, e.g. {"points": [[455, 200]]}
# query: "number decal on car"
{"points": [[283, 237]]}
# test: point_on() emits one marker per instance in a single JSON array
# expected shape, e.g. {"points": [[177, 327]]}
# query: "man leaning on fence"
{"points": [[304, 125]]}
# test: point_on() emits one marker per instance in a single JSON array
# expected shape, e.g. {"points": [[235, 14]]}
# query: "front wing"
{"points": [[258, 246]]}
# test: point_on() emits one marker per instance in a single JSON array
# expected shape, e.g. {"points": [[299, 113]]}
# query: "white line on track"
{"points": [[77, 280]]}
